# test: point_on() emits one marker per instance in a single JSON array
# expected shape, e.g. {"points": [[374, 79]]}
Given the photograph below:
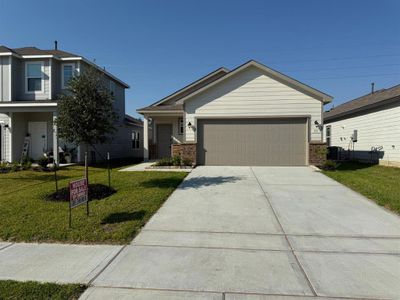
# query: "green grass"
{"points": [[26, 216], [378, 183], [36, 291]]}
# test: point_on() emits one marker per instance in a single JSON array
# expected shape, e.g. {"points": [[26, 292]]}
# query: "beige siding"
{"points": [[252, 94], [376, 128]]}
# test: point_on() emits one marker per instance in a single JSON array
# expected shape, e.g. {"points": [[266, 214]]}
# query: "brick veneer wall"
{"points": [[317, 153], [185, 151]]}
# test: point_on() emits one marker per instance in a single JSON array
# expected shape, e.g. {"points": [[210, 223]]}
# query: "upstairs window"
{"points": [[34, 77], [135, 139], [67, 74], [112, 88]]}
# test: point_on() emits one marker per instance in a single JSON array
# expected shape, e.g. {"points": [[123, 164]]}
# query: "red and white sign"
{"points": [[78, 192]]}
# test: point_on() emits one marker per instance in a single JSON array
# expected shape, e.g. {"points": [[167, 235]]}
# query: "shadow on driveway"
{"points": [[191, 183]]}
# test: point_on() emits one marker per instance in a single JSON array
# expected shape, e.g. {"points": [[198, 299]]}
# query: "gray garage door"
{"points": [[252, 142]]}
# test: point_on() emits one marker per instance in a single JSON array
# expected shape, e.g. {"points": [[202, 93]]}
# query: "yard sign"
{"points": [[78, 194]]}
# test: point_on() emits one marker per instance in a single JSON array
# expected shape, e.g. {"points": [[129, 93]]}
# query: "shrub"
{"points": [[164, 162], [187, 162], [43, 162], [176, 160], [4, 167], [329, 165]]}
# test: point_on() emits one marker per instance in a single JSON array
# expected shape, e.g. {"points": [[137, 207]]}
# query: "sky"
{"points": [[158, 47]]}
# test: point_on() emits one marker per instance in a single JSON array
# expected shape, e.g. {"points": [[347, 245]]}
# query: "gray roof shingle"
{"points": [[36, 51], [377, 98]]}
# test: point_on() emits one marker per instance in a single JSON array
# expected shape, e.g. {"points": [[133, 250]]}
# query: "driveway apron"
{"points": [[259, 233]]}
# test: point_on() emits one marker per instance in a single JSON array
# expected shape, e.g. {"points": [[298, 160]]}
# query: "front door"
{"points": [[164, 140], [38, 134]]}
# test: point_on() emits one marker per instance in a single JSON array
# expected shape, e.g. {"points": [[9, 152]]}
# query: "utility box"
{"points": [[354, 137]]}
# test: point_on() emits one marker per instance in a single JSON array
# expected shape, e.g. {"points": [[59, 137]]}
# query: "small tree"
{"points": [[85, 112]]}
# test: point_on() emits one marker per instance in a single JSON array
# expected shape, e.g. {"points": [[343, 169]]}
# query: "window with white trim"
{"points": [[180, 126], [328, 135], [67, 74], [135, 139], [34, 77]]}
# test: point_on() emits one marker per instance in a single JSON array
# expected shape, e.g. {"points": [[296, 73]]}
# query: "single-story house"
{"points": [[368, 127], [252, 115]]}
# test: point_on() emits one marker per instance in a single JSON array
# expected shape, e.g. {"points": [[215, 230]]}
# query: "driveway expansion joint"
{"points": [[105, 267], [284, 233]]}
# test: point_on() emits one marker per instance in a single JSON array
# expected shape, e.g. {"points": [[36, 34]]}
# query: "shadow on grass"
{"points": [[353, 166], [193, 182], [97, 191], [123, 217], [163, 183]]}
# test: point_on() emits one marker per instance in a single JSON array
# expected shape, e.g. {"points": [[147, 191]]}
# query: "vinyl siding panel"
{"points": [[5, 142], [380, 127], [5, 78], [252, 93]]}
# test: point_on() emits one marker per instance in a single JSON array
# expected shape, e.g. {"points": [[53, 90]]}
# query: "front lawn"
{"points": [[26, 216], [378, 183], [14, 290]]}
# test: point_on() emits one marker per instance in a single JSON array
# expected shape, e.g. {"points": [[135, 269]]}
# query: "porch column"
{"points": [[146, 138], [55, 139]]}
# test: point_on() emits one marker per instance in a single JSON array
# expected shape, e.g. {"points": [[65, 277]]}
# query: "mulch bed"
{"points": [[97, 191]]}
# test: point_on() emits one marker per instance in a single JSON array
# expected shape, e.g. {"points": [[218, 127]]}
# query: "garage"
{"points": [[252, 142]]}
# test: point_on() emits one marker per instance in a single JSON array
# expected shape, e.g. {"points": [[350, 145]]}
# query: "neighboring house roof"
{"points": [[178, 98], [133, 121], [33, 52], [372, 100], [162, 108]]}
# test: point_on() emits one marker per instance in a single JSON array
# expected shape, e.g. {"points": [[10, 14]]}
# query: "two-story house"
{"points": [[30, 81]]}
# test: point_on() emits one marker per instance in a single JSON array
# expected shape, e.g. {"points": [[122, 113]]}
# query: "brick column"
{"points": [[317, 153]]}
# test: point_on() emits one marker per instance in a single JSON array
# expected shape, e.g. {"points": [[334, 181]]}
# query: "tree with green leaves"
{"points": [[85, 111]]}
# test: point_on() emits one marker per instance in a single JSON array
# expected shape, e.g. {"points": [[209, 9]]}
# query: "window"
{"points": [[180, 125], [328, 135], [34, 77], [67, 74], [135, 139], [112, 88]]}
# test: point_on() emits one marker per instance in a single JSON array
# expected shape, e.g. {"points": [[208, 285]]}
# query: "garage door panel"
{"points": [[252, 142]]}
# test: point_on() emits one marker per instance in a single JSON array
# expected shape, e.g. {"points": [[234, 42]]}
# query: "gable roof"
{"points": [[375, 99], [306, 89], [33, 52], [190, 88], [180, 96]]}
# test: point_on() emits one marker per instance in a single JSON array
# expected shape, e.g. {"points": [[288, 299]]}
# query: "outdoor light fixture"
{"points": [[316, 123], [189, 125]]}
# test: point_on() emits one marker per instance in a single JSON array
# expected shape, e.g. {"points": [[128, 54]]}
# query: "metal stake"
{"points": [[109, 170]]}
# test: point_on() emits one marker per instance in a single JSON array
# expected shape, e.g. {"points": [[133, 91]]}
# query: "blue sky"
{"points": [[157, 47]]}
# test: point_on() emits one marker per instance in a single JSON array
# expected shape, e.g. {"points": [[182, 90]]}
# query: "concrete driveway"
{"points": [[259, 233]]}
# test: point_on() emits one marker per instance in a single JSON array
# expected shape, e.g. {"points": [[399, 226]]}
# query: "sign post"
{"points": [[78, 194], [108, 167]]}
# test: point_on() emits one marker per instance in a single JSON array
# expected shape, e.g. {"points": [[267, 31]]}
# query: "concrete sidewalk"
{"points": [[259, 233], [61, 263]]}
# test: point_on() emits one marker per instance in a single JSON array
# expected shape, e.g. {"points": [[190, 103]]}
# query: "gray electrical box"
{"points": [[354, 137]]}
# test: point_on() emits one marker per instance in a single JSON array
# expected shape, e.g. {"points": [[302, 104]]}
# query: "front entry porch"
{"points": [[160, 134], [29, 129]]}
